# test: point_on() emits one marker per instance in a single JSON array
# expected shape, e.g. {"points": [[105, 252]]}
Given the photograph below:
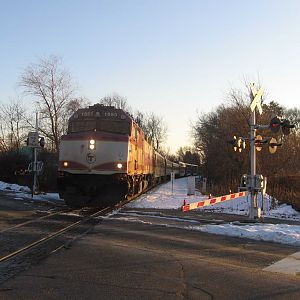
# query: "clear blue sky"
{"points": [[173, 57]]}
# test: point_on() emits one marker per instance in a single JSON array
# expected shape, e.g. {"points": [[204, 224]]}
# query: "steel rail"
{"points": [[32, 221], [52, 235]]}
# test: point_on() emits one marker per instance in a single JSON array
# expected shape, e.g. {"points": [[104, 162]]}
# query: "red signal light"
{"points": [[275, 124], [286, 127]]}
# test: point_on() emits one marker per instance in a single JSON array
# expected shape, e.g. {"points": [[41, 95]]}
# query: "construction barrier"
{"points": [[194, 205]]}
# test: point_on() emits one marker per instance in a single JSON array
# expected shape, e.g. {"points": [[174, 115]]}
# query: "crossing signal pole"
{"points": [[35, 141], [255, 97], [34, 186], [254, 182]]}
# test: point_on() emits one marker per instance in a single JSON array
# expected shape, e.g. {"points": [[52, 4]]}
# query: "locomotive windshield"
{"points": [[100, 118]]}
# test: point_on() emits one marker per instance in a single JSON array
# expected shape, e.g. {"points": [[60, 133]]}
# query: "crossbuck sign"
{"points": [[256, 98]]}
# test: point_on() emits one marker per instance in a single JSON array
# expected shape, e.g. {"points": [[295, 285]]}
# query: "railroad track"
{"points": [[49, 236], [33, 220], [29, 242]]}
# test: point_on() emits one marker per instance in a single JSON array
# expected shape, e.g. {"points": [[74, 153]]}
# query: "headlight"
{"points": [[119, 166], [66, 163], [92, 144]]}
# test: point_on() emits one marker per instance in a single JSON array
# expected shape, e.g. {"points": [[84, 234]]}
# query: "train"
{"points": [[106, 156]]}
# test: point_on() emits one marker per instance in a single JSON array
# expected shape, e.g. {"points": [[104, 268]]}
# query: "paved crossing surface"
{"points": [[126, 260]]}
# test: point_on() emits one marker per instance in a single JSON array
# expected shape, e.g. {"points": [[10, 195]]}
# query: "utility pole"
{"points": [[34, 167], [254, 207], [255, 96], [35, 141]]}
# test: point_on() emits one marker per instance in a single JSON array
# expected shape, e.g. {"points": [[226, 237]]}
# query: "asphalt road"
{"points": [[126, 260]]}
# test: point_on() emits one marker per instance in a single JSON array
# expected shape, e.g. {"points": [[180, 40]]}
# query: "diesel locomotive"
{"points": [[105, 156]]}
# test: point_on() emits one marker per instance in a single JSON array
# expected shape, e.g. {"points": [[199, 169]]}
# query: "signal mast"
{"points": [[255, 183]]}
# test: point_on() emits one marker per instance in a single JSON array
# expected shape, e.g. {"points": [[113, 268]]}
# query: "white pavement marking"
{"points": [[289, 265]]}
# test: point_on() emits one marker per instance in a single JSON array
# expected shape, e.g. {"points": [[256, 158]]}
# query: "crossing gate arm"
{"points": [[212, 201]]}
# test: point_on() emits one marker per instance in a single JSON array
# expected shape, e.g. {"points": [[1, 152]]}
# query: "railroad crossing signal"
{"points": [[258, 142], [273, 145], [275, 124], [238, 143], [256, 95], [259, 183], [285, 125], [241, 144]]}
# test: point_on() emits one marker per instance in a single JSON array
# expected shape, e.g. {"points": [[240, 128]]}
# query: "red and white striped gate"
{"points": [[194, 205]]}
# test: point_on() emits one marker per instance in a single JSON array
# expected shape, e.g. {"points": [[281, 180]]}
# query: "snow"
{"points": [[13, 187], [24, 192], [279, 233], [162, 197]]}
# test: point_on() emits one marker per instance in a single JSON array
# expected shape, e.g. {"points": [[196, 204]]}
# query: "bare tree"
{"points": [[3, 143], [13, 124], [52, 87], [156, 130], [117, 101], [293, 115], [188, 155], [140, 119], [71, 107], [153, 126]]}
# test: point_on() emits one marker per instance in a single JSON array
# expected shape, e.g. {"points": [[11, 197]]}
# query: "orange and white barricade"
{"points": [[208, 202]]}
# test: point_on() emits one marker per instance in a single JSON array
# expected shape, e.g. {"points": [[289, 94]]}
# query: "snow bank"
{"points": [[278, 233], [13, 187], [163, 198], [24, 192]]}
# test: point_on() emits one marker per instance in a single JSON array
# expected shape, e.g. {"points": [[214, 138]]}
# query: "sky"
{"points": [[176, 58]]}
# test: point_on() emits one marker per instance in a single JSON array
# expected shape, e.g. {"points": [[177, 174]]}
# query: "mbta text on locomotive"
{"points": [[105, 157]]}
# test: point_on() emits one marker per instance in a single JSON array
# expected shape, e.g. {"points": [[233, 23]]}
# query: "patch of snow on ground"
{"points": [[162, 197], [24, 192], [284, 211], [13, 187], [279, 233], [39, 197]]}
